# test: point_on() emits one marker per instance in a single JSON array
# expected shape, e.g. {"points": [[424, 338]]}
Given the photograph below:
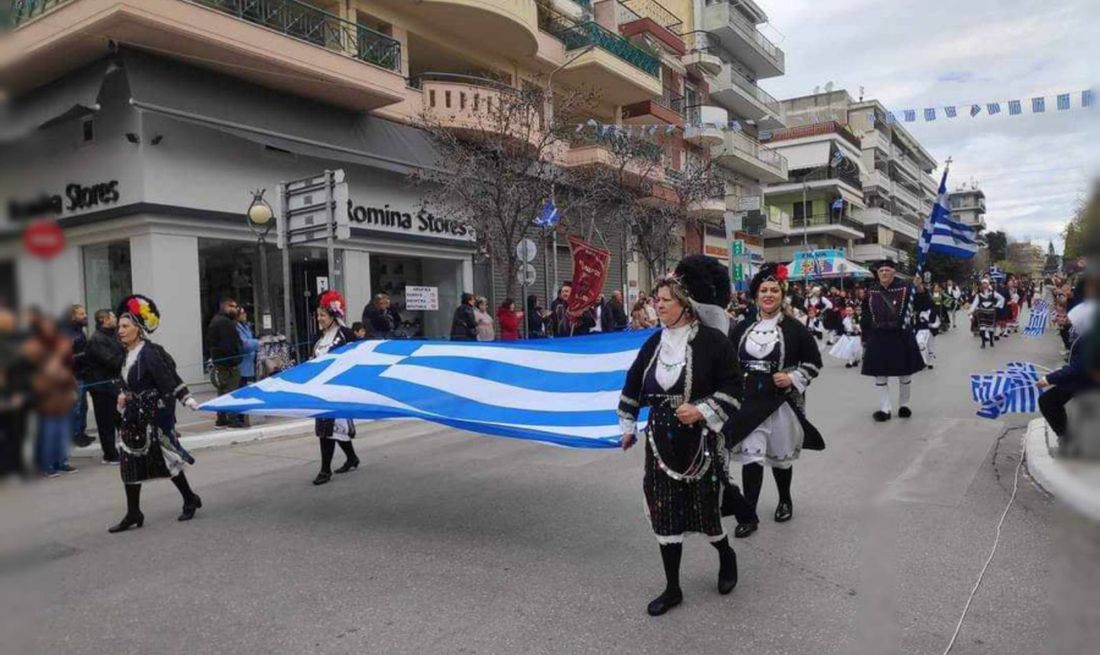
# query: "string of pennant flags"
{"points": [[1037, 105]]}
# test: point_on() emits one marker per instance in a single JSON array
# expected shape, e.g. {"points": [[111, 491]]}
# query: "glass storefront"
{"points": [[107, 275], [232, 269]]}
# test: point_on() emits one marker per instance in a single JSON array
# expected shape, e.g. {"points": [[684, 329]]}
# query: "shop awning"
{"points": [[71, 96], [824, 265], [273, 118]]}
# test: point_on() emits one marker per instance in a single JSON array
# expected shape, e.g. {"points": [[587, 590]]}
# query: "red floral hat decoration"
{"points": [[333, 302], [142, 310]]}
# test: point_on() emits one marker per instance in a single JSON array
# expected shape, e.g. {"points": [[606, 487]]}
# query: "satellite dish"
{"points": [[829, 87], [817, 89]]}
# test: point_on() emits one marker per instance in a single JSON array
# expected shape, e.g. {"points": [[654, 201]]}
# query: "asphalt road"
{"points": [[444, 542]]}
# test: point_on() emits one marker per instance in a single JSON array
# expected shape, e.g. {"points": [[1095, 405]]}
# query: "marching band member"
{"points": [[984, 309]]}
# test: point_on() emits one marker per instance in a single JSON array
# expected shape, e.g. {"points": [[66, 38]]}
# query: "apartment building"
{"points": [[968, 206], [857, 180], [181, 108], [1026, 259]]}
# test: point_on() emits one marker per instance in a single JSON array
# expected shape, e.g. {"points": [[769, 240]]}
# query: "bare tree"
{"points": [[497, 159]]}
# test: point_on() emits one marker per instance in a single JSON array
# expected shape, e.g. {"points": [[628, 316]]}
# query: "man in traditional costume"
{"points": [[890, 344]]}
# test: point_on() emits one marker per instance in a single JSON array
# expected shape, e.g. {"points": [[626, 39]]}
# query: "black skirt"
{"points": [[891, 354]]}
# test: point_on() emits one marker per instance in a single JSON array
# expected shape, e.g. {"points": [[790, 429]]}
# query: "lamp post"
{"points": [[259, 216]]}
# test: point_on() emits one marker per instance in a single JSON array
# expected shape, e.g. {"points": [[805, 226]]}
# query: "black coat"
{"points": [[80, 346], [800, 356], [614, 315], [103, 361], [223, 340], [890, 344], [464, 324]]}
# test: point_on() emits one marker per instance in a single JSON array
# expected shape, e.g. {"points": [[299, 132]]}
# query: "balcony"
{"points": [[649, 17], [701, 57], [878, 139], [706, 126], [473, 106], [745, 99], [623, 72], [575, 9], [872, 252], [815, 129], [876, 216], [838, 226], [740, 36], [283, 44], [668, 109], [908, 198], [746, 156], [637, 159], [510, 26]]}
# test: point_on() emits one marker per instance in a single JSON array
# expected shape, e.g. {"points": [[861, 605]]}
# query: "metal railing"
{"points": [[460, 78], [818, 220], [308, 23], [672, 101], [747, 85], [756, 36], [579, 35], [650, 9], [21, 11], [747, 146], [815, 129]]}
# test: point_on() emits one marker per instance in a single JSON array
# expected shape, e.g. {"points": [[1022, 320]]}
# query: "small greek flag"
{"points": [[996, 273], [1038, 105], [930, 114], [1086, 98], [1009, 391], [1014, 108], [1038, 320], [975, 110], [1063, 102], [891, 118], [951, 111], [993, 108], [549, 215], [910, 115]]}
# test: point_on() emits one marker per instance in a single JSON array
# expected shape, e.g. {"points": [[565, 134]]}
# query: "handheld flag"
{"points": [[1012, 390], [1038, 320], [549, 215]]}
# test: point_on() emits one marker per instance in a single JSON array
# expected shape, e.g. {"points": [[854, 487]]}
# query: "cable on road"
{"points": [[996, 542]]}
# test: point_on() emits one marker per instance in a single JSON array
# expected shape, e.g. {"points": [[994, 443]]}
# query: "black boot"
{"points": [[672, 596], [783, 477], [349, 452], [328, 447], [752, 477], [881, 416], [134, 518], [727, 566], [191, 500]]}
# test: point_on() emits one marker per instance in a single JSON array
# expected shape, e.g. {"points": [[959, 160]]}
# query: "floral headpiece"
{"points": [[142, 310], [770, 273], [333, 303]]}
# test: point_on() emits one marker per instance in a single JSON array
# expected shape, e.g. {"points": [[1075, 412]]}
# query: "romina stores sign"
{"points": [[423, 222], [77, 198]]}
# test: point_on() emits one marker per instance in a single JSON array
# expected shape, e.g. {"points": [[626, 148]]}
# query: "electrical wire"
{"points": [[993, 551]]}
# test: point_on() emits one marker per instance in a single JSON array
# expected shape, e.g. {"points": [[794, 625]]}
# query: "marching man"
{"points": [[890, 344]]}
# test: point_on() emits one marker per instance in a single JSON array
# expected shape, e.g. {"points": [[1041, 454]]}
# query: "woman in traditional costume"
{"points": [[147, 442], [686, 374], [331, 310], [779, 359]]}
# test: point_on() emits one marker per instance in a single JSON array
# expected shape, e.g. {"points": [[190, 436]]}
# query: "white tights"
{"points": [[904, 391]]}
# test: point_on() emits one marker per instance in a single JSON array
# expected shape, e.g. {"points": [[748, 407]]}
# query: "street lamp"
{"points": [[260, 220]]}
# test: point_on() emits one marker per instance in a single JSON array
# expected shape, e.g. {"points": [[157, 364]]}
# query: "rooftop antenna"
{"points": [[861, 93], [817, 89]]}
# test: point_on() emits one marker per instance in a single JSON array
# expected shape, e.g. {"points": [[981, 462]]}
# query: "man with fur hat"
{"points": [[890, 343]]}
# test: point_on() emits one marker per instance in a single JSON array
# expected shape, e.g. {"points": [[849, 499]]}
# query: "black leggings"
{"points": [[752, 477], [328, 449], [133, 494]]}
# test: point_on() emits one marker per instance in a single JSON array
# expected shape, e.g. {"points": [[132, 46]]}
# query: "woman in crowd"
{"points": [[779, 359], [331, 311], [484, 320], [147, 442], [509, 320], [687, 375], [639, 318]]}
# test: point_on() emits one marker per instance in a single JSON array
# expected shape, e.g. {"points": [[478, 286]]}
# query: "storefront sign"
{"points": [[390, 219], [589, 274], [422, 298], [77, 197]]}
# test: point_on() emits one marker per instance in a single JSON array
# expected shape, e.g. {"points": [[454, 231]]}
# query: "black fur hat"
{"points": [[705, 279], [769, 271]]}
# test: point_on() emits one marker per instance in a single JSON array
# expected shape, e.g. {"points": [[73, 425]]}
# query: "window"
{"points": [[87, 131], [107, 275], [803, 210]]}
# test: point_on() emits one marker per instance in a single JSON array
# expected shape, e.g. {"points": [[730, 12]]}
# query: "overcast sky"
{"points": [[912, 54]]}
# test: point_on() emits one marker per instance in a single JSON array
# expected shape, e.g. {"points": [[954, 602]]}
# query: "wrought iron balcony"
{"points": [[580, 35], [308, 23]]}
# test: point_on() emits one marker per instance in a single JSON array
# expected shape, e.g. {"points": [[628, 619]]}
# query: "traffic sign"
{"points": [[44, 239], [526, 250], [525, 274]]}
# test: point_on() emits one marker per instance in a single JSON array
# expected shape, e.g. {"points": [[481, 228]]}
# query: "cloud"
{"points": [[1033, 168]]}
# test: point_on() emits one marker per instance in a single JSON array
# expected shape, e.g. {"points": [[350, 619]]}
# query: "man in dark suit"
{"points": [[103, 359]]}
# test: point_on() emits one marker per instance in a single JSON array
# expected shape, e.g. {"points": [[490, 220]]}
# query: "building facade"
{"points": [[968, 206]]}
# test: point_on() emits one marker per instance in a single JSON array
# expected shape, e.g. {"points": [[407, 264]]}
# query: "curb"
{"points": [[1051, 474], [218, 438]]}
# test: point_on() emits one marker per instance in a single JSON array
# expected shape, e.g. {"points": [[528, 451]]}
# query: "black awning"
{"points": [[71, 96], [273, 118]]}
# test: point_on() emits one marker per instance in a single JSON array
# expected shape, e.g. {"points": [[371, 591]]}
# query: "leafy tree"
{"points": [[998, 245]]}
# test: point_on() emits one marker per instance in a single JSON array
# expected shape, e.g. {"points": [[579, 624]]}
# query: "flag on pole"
{"points": [[549, 215], [1038, 320], [943, 235], [563, 392]]}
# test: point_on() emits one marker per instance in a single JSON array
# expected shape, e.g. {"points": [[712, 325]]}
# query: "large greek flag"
{"points": [[558, 391], [1012, 390], [943, 235]]}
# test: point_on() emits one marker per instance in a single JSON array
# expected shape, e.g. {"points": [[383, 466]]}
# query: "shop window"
{"points": [[232, 269], [87, 131], [107, 274]]}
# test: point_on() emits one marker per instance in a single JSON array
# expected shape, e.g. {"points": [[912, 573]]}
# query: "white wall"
{"points": [[357, 288], [52, 285]]}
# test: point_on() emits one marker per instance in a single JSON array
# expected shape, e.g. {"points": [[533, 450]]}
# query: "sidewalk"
{"points": [[197, 430], [1075, 482]]}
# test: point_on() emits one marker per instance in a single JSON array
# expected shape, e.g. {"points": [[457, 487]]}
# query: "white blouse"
{"points": [[763, 337], [672, 355], [131, 359]]}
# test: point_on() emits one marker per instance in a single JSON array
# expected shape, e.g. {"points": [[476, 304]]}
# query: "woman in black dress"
{"points": [[331, 310], [147, 443], [686, 374], [779, 359]]}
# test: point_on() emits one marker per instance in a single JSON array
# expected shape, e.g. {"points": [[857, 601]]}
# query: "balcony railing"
{"points": [[638, 9], [750, 87], [628, 147], [580, 35], [813, 129], [747, 146], [818, 220], [756, 36], [22, 11], [698, 41], [308, 23], [672, 101]]}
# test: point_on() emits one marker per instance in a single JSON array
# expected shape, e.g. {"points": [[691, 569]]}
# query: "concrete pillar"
{"points": [[165, 267], [356, 282], [52, 285]]}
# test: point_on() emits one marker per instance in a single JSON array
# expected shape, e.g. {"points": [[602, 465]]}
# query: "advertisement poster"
{"points": [[589, 273]]}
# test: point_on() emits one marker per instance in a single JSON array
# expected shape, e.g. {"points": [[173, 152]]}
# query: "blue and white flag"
{"points": [[1063, 101], [1038, 105], [1038, 319], [557, 391], [1012, 390], [1014, 108], [950, 111], [549, 215], [930, 113], [943, 235], [995, 273]]}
